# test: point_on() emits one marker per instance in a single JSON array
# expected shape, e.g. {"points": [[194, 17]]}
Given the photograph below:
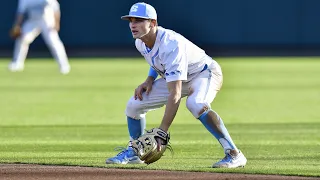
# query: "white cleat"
{"points": [[14, 67], [65, 70], [230, 161]]}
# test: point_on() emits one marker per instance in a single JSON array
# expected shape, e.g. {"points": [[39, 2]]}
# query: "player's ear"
{"points": [[153, 23]]}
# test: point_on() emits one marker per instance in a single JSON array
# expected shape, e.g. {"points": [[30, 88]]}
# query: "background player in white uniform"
{"points": [[186, 71], [35, 17]]}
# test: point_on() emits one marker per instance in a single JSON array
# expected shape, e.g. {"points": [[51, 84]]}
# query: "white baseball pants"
{"points": [[200, 92], [30, 30]]}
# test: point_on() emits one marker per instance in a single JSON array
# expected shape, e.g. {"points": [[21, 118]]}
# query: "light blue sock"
{"points": [[136, 127], [220, 133]]}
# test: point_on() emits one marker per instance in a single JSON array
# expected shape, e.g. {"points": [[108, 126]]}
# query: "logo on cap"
{"points": [[134, 8]]}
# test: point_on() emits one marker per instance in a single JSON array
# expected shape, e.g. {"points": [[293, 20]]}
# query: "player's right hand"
{"points": [[144, 87]]}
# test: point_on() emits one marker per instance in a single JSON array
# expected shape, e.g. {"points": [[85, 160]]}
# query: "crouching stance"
{"points": [[185, 71]]}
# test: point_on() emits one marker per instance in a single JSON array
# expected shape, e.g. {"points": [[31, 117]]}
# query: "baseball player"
{"points": [[185, 71], [35, 17]]}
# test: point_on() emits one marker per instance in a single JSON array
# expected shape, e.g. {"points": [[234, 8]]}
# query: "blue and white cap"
{"points": [[141, 10]]}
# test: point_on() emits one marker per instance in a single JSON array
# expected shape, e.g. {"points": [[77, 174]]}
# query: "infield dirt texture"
{"points": [[34, 172]]}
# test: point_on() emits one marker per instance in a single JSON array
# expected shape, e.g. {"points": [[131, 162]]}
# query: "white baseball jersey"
{"points": [[174, 57], [38, 8]]}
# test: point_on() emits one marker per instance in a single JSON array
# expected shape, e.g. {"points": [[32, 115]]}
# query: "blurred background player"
{"points": [[35, 17], [186, 71]]}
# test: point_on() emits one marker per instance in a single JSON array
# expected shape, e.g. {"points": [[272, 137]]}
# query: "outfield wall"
{"points": [[228, 24]]}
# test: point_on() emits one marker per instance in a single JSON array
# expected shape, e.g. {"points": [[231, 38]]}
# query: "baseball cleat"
{"points": [[230, 161], [126, 156], [14, 67], [65, 70]]}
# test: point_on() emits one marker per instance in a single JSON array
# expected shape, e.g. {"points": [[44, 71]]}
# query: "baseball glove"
{"points": [[151, 145], [15, 32]]}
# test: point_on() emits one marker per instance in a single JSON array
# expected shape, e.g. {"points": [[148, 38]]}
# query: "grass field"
{"points": [[270, 106]]}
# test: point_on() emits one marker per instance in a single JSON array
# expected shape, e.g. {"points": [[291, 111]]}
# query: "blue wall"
{"points": [[255, 23]]}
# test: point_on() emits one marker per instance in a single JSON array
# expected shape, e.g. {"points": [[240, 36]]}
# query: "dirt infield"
{"points": [[37, 172]]}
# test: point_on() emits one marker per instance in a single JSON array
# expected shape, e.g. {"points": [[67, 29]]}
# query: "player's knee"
{"points": [[196, 108], [26, 38], [134, 109], [23, 40]]}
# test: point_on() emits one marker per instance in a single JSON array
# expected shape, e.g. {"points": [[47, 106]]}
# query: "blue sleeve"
{"points": [[153, 73]]}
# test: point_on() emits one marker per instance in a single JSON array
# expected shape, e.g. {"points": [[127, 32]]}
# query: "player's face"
{"points": [[139, 27]]}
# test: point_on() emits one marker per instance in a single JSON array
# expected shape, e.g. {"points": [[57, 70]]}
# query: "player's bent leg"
{"points": [[214, 124], [136, 111], [198, 104]]}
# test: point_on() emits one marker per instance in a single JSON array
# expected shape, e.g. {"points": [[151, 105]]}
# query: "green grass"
{"points": [[270, 106]]}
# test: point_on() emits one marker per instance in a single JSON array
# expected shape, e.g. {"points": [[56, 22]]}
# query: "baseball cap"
{"points": [[141, 10]]}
